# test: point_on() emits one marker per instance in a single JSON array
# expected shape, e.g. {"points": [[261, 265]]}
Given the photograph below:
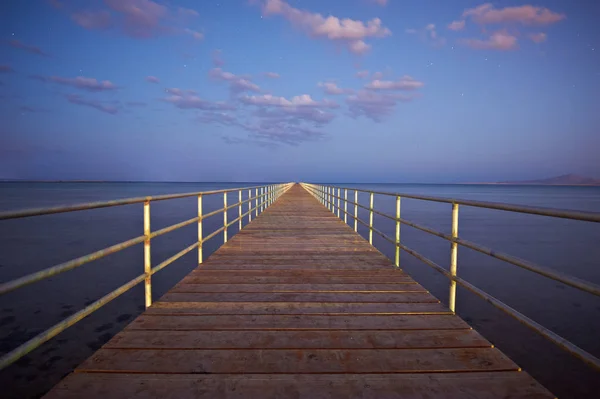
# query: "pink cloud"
{"points": [[428, 34], [382, 3], [219, 118], [272, 75], [106, 107], [6, 69], [216, 58], [152, 79], [362, 74], [179, 92], [404, 83], [237, 84], [303, 100], [80, 82], [350, 32], [457, 25], [373, 105], [526, 15], [377, 75], [195, 34], [538, 37], [141, 18], [332, 88], [188, 101], [138, 18], [92, 19], [31, 49], [501, 40]]}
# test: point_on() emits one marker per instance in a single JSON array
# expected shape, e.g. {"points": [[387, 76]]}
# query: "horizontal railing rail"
{"points": [[327, 196], [263, 197]]}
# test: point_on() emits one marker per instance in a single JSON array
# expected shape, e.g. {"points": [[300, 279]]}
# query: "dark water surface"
{"points": [[31, 244]]}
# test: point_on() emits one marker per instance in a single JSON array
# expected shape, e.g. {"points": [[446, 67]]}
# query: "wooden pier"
{"points": [[298, 305]]}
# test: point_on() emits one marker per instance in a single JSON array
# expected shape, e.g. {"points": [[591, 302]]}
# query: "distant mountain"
{"points": [[564, 180]]}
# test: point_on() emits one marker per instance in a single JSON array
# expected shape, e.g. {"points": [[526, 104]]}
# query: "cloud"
{"points": [[457, 25], [216, 58], [377, 75], [373, 105], [272, 75], [501, 40], [303, 100], [102, 106], [139, 19], [538, 37], [31, 49], [92, 19], [486, 14], [6, 69], [362, 74], [332, 88], [284, 132], [152, 79], [237, 140], [428, 34], [79, 82], [237, 84], [179, 92], [189, 101], [218, 118], [349, 32], [195, 34], [404, 83], [382, 3]]}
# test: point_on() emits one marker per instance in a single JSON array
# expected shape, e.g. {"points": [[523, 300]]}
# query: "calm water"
{"points": [[31, 244]]}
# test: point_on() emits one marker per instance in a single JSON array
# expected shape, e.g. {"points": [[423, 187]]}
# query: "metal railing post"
{"points": [[249, 205], [398, 231], [371, 219], [453, 258], [224, 217], [240, 208], [147, 263], [346, 205], [200, 229], [356, 210]]}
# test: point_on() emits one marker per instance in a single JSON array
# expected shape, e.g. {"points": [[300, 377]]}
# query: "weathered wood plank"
{"points": [[482, 385], [302, 288], [295, 308], [194, 278], [365, 297], [308, 322], [298, 361], [350, 339]]}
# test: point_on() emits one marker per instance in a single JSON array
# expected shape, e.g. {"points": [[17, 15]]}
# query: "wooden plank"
{"points": [[300, 297], [308, 322], [482, 385], [294, 308], [297, 361], [351, 339], [285, 279], [321, 288]]}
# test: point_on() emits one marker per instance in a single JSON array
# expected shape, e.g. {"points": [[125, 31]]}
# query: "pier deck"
{"points": [[297, 304]]}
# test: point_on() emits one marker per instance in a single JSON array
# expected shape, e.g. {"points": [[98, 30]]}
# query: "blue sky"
{"points": [[354, 90]]}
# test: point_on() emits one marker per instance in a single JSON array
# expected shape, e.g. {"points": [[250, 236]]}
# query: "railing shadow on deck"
{"points": [[326, 194], [263, 197]]}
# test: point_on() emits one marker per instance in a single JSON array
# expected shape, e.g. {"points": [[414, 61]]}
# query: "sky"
{"points": [[405, 91]]}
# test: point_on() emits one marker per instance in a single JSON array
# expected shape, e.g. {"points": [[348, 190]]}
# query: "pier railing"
{"points": [[329, 195], [263, 197]]}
